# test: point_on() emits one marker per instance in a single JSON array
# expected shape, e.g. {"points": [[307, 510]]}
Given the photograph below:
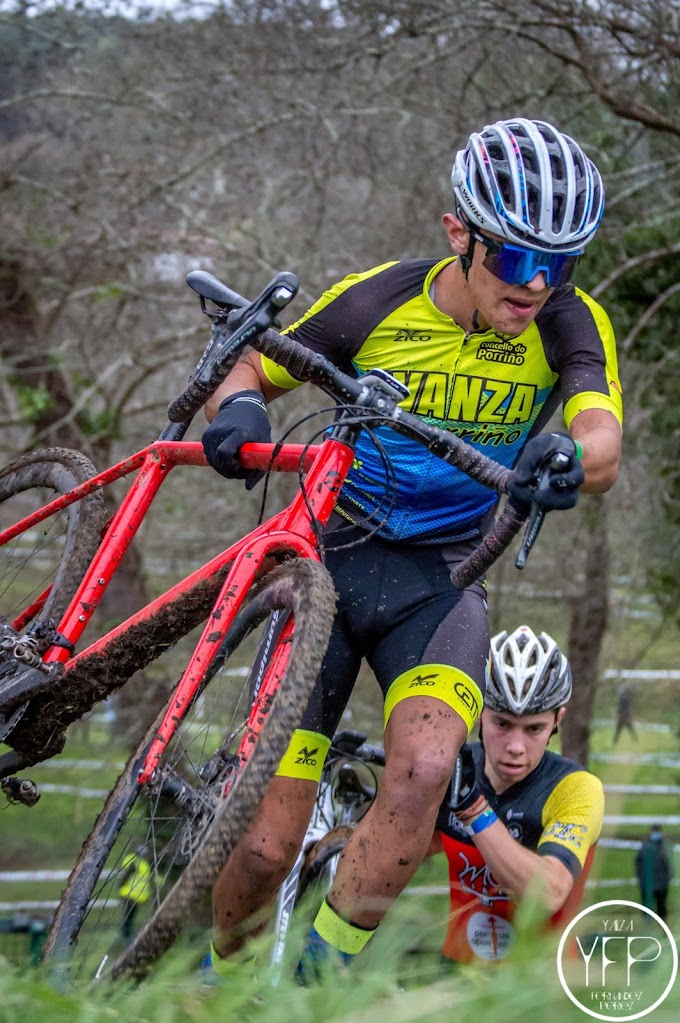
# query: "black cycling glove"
{"points": [[468, 790], [242, 419], [563, 484]]}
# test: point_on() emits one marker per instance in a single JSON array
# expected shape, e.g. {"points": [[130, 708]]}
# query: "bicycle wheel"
{"points": [[40, 567], [183, 820]]}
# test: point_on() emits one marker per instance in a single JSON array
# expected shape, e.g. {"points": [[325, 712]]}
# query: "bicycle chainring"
{"points": [[8, 724]]}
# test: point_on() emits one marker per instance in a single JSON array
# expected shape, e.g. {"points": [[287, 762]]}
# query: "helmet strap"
{"points": [[466, 260]]}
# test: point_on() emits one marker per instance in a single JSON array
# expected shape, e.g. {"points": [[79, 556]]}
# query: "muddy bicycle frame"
{"points": [[289, 531], [373, 398]]}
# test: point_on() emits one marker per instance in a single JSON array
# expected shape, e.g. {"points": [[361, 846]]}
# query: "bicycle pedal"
{"points": [[20, 790]]}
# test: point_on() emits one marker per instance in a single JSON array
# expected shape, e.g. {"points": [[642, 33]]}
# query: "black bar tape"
{"points": [[482, 469], [186, 405], [196, 393], [294, 357], [503, 531]]}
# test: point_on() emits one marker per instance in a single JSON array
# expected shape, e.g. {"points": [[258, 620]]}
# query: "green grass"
{"points": [[399, 977], [389, 983]]}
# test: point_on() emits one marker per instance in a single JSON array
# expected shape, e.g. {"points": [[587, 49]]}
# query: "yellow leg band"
{"points": [[443, 682], [223, 967], [305, 755], [339, 933]]}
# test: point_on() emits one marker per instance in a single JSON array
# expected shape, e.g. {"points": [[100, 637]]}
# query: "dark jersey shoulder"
{"points": [[569, 331], [340, 327]]}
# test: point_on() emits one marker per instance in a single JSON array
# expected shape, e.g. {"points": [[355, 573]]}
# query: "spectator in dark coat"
{"points": [[624, 713], [654, 871]]}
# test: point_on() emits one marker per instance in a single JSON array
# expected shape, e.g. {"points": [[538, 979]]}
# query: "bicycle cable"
{"points": [[367, 521]]}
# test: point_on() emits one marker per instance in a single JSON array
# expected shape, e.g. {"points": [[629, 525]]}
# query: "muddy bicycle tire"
{"points": [[40, 570], [55, 471], [302, 587]]}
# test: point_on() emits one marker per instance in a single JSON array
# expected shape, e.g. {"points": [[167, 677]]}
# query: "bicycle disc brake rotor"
{"points": [[198, 805]]}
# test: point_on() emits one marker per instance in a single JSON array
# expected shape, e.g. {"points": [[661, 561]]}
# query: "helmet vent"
{"points": [[528, 673], [527, 182]]}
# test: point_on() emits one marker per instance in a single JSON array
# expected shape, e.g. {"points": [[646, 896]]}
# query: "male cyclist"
{"points": [[489, 341], [518, 816]]}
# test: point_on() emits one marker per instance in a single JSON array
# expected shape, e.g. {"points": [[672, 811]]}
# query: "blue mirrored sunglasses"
{"points": [[513, 264]]}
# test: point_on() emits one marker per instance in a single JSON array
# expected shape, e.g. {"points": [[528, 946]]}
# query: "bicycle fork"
{"points": [[285, 902]]}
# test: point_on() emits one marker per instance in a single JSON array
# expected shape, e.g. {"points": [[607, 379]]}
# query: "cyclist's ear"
{"points": [[457, 233], [559, 714]]}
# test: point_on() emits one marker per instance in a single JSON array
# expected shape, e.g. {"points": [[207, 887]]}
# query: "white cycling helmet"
{"points": [[529, 183], [528, 673]]}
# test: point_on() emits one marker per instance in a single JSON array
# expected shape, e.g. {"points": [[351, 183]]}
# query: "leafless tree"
{"points": [[265, 134]]}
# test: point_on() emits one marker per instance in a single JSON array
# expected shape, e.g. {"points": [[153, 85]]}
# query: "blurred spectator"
{"points": [[654, 872], [624, 713], [135, 890]]}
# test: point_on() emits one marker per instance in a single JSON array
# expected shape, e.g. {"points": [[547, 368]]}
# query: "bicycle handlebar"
{"points": [[237, 323], [348, 743], [371, 754]]}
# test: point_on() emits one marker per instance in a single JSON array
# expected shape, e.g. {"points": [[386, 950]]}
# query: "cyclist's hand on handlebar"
{"points": [[242, 419], [555, 452], [468, 790]]}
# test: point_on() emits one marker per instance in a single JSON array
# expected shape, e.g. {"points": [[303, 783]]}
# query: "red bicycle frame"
{"points": [[325, 465]]}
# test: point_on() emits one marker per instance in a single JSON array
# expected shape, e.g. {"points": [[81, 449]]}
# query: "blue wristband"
{"points": [[485, 820]]}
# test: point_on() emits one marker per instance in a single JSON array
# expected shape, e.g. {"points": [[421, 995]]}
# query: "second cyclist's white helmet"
{"points": [[529, 183], [528, 673]]}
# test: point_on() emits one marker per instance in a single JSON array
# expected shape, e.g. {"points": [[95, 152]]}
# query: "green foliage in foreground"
{"points": [[390, 983]]}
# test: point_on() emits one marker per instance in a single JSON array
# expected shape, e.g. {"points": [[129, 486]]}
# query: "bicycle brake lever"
{"points": [[558, 463], [281, 290], [234, 308], [231, 336], [533, 528]]}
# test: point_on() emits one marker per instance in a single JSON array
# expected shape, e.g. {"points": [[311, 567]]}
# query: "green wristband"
{"points": [[579, 451]]}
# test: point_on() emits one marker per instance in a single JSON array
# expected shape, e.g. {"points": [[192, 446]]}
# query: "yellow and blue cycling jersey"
{"points": [[492, 390]]}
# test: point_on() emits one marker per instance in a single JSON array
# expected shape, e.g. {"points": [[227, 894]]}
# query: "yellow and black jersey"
{"points": [[557, 810], [492, 390]]}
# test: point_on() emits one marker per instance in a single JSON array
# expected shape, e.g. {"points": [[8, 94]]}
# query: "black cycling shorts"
{"points": [[398, 608]]}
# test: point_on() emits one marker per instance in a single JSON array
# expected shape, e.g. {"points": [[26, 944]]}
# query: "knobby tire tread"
{"points": [[96, 676], [58, 470], [82, 880], [61, 469], [307, 588], [39, 734]]}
